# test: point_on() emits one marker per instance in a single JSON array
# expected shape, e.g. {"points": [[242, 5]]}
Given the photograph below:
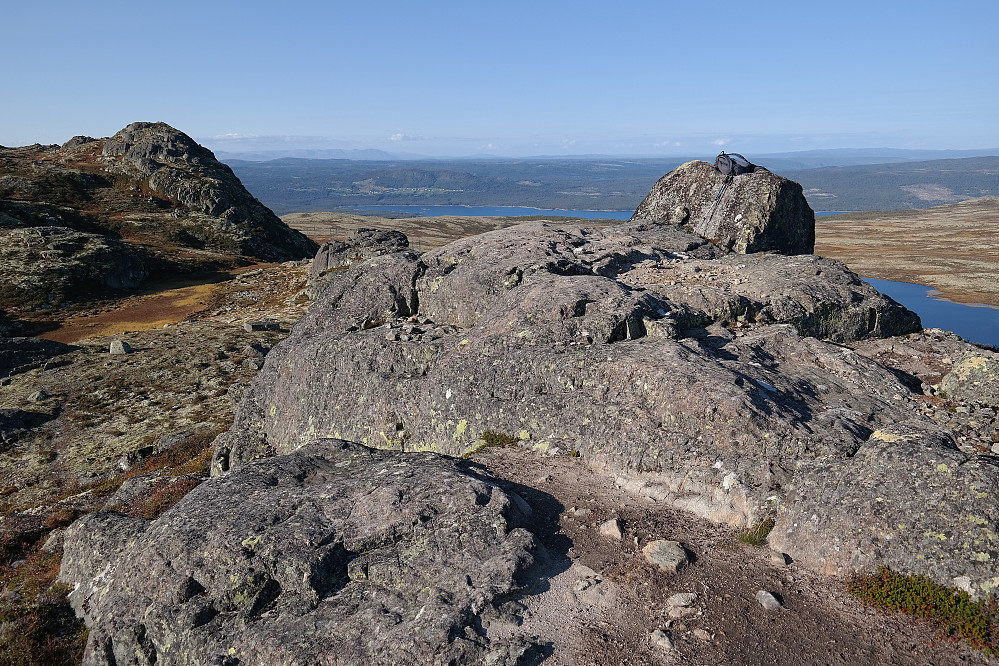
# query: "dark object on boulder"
{"points": [[335, 554], [733, 164], [22, 354], [752, 212]]}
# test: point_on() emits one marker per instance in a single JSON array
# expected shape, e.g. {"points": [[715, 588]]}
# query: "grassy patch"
{"points": [[37, 625], [758, 533], [952, 610], [490, 440]]}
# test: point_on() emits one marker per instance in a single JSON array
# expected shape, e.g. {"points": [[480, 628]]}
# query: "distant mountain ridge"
{"points": [[292, 185]]}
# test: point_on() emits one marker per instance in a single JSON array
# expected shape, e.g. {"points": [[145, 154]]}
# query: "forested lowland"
{"points": [[303, 185]]}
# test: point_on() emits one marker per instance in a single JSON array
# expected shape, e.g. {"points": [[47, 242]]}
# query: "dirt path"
{"points": [[604, 601]]}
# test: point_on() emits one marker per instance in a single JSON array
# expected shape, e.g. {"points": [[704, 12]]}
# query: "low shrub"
{"points": [[952, 610]]}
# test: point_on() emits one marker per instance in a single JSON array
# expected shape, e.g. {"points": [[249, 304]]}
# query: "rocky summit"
{"points": [[102, 215], [752, 212], [713, 381], [344, 522]]}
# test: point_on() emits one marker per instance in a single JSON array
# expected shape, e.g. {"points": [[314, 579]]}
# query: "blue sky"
{"points": [[508, 78]]}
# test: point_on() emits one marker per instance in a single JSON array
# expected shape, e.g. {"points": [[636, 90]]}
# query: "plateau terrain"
{"points": [[684, 438]]}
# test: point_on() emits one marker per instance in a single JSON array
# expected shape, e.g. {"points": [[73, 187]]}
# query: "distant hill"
{"points": [[294, 185], [98, 216], [899, 186]]}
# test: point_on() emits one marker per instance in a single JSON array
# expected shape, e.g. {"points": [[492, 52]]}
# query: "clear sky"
{"points": [[507, 78]]}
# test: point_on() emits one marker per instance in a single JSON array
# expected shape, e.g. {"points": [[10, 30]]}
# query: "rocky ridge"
{"points": [[95, 215], [728, 386]]}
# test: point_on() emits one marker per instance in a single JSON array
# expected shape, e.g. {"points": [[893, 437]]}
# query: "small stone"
{"points": [[120, 347], [253, 363], [667, 555], [702, 634], [682, 599], [38, 396], [582, 513], [661, 639], [768, 601], [778, 559], [611, 528], [678, 613]]}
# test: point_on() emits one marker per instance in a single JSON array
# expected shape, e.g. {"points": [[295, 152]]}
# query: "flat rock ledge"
{"points": [[334, 554]]}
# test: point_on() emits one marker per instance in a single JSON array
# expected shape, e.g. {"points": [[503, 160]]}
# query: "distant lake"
{"points": [[975, 323], [502, 211]]}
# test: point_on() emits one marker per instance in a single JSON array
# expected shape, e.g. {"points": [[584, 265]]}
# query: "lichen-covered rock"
{"points": [[335, 554], [359, 245], [752, 212], [907, 499], [700, 379], [974, 377]]}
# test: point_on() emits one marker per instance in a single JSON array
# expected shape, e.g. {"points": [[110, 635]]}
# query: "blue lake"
{"points": [[975, 323]]}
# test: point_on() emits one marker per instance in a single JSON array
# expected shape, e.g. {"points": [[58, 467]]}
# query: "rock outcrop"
{"points": [[359, 245], [752, 212], [713, 381], [187, 175], [334, 554], [22, 354], [96, 216]]}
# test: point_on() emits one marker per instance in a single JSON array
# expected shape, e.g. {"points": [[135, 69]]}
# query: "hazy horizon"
{"points": [[450, 79]]}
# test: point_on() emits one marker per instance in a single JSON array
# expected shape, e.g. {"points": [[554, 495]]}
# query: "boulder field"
{"points": [[739, 387]]}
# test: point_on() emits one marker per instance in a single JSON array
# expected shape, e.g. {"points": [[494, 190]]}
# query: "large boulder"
{"points": [[752, 212], [974, 377], [712, 381], [335, 554]]}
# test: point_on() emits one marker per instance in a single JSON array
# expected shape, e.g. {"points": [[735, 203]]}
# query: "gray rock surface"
{"points": [[690, 374], [335, 554], [752, 212], [974, 377], [22, 354], [669, 556], [768, 601], [359, 245]]}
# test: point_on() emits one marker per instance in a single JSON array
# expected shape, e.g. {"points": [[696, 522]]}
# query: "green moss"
{"points": [[489, 440], [952, 610], [758, 533]]}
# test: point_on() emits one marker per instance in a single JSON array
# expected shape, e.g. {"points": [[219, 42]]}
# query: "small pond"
{"points": [[975, 323]]}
